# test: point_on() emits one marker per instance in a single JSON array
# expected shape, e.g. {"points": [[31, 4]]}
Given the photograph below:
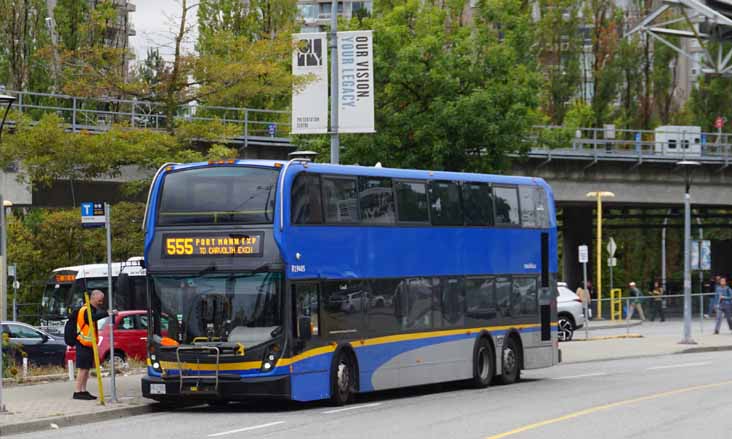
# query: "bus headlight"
{"points": [[271, 354]]}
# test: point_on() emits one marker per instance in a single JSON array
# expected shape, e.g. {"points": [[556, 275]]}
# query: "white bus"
{"points": [[65, 289]]}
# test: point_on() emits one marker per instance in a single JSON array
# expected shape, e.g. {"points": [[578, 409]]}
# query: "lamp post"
{"points": [[4, 257], [4, 99], [688, 166], [598, 256]]}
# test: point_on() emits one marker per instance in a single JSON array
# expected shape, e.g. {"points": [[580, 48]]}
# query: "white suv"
{"points": [[570, 312]]}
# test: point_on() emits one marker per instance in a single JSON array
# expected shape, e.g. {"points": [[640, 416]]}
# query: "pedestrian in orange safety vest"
{"points": [[85, 340]]}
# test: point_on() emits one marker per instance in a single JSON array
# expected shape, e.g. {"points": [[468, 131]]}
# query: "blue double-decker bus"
{"points": [[311, 281]]}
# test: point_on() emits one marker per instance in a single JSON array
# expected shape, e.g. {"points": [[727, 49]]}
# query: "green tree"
{"points": [[605, 22], [664, 81], [70, 16], [40, 240], [450, 95], [711, 97], [22, 37], [560, 42], [628, 63]]}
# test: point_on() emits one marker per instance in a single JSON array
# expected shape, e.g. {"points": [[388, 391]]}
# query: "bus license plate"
{"points": [[157, 389]]}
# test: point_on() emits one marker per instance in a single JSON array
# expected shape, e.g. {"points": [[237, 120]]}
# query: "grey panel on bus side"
{"points": [[537, 353], [437, 363]]}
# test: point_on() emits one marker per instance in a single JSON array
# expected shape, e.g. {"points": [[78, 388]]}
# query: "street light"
{"points": [[689, 167], [4, 257], [598, 257], [4, 99]]}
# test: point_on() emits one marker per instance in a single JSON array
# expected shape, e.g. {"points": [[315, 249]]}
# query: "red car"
{"points": [[130, 337]]}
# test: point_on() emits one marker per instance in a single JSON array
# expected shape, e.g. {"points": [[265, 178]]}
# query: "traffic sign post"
{"points": [[583, 254], [719, 122], [12, 273], [108, 226], [584, 258], [611, 261], [98, 215], [272, 129]]}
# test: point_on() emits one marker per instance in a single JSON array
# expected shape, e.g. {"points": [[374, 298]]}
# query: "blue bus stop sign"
{"points": [[92, 214]]}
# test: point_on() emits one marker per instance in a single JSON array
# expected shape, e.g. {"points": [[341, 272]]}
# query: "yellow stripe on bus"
{"points": [[173, 365], [282, 362]]}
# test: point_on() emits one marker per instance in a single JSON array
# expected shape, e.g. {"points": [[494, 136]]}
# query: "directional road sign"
{"points": [[611, 247]]}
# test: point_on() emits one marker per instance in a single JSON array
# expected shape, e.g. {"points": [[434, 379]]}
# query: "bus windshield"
{"points": [[218, 195], [220, 307], [53, 303]]}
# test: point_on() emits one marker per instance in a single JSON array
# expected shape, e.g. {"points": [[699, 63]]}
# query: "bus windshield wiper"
{"points": [[210, 269]]}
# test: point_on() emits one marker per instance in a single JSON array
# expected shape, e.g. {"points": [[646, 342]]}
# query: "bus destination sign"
{"points": [[212, 244]]}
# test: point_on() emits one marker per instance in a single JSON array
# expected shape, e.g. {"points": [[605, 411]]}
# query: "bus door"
{"points": [[306, 313], [546, 292]]}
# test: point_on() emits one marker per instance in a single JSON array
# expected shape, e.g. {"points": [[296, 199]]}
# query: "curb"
{"points": [[618, 326], [43, 379], [697, 350], [706, 349], [72, 420], [609, 337]]}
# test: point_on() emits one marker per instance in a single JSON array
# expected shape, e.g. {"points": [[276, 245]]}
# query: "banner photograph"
{"points": [[355, 82], [310, 102]]}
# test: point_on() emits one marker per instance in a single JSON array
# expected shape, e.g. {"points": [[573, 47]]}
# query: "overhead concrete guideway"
{"points": [[637, 185]]}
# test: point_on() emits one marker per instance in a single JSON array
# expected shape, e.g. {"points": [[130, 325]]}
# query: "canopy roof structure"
{"points": [[706, 21]]}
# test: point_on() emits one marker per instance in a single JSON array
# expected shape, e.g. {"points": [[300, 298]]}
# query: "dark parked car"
{"points": [[40, 347]]}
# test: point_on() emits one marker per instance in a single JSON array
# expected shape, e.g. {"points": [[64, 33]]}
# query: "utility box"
{"points": [[678, 140]]}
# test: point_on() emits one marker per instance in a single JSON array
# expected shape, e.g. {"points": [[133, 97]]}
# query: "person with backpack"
{"points": [[84, 339]]}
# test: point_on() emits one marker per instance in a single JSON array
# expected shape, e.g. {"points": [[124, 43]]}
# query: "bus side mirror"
{"points": [[304, 328]]}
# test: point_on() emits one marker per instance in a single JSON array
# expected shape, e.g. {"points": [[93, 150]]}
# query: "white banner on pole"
{"points": [[310, 102], [356, 82], [694, 256]]}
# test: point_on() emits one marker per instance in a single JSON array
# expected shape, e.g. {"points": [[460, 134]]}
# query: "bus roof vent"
{"points": [[303, 155]]}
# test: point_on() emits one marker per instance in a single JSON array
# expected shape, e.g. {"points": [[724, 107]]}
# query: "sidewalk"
{"points": [[647, 339], [49, 405]]}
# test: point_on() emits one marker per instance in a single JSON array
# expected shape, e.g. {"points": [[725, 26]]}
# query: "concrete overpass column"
{"points": [[576, 230]]}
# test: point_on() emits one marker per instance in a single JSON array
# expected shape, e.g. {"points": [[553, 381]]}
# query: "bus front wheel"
{"points": [[342, 378], [511, 361], [484, 364]]}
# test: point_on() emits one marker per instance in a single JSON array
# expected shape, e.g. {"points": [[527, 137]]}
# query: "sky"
{"points": [[153, 21]]}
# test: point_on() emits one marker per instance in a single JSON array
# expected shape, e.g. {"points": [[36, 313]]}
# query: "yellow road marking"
{"points": [[607, 407]]}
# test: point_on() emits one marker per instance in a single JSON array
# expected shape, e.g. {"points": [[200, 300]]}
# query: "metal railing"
{"points": [[594, 144], [99, 114]]}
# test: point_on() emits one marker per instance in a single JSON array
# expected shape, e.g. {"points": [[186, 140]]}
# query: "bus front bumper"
{"points": [[205, 389]]}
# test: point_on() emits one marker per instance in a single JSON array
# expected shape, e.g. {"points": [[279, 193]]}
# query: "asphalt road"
{"points": [[673, 396]]}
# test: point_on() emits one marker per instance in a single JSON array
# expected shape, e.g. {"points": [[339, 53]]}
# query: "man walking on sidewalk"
{"points": [[84, 342], [635, 303], [724, 305]]}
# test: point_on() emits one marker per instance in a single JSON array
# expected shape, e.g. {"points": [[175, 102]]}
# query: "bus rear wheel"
{"points": [[484, 364], [342, 378], [511, 361]]}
